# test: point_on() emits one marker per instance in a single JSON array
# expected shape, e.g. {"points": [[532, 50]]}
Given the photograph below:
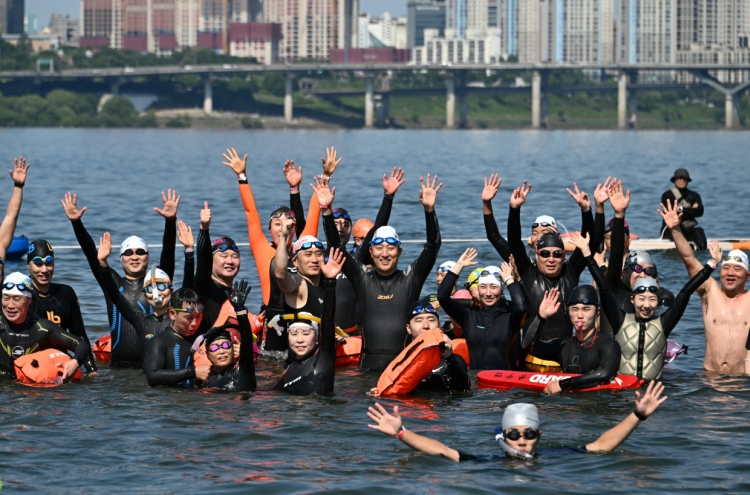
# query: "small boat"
{"points": [[18, 248], [503, 379]]}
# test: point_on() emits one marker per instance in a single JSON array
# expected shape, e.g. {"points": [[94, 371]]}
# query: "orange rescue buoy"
{"points": [[41, 368], [413, 365], [460, 348], [102, 349], [348, 352]]}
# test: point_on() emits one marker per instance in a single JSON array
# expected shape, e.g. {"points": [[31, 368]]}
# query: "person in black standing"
{"points": [[57, 303], [690, 204], [134, 257], [384, 292]]}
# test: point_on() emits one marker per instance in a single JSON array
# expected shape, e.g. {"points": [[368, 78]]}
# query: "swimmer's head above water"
{"points": [[276, 222], [385, 249], [550, 254], [645, 297], [638, 264], [134, 256], [226, 260], [544, 224], [219, 348], [308, 255], [734, 271], [583, 309], [17, 296], [41, 263], [158, 288], [422, 317], [186, 312], [519, 434]]}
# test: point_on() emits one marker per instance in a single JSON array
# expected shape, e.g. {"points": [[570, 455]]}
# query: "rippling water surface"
{"points": [[115, 434]]}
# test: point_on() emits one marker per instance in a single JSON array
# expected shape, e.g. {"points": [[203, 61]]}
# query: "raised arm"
{"points": [[330, 163], [576, 261], [352, 268], [391, 425], [531, 343], [422, 266], [294, 178], [453, 308], [327, 344], [515, 240], [671, 317], [288, 282], [600, 197], [169, 239], [204, 253], [246, 380], [619, 200], [390, 187], [70, 204], [8, 226], [518, 297], [490, 225], [645, 406], [185, 235], [672, 219]]}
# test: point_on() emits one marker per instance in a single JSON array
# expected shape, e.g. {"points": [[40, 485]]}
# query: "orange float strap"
{"points": [[348, 352], [413, 365], [102, 349], [40, 369], [460, 348], [227, 311]]}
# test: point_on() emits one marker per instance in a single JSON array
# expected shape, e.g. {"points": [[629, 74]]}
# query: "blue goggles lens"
{"points": [[443, 269], [225, 248], [309, 244], [38, 260], [388, 240], [21, 287], [338, 214], [486, 273], [160, 286], [423, 309]]}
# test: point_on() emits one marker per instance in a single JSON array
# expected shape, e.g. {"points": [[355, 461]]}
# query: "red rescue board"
{"points": [[503, 379], [102, 349]]}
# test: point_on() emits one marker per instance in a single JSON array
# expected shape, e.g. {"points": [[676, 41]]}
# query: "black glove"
{"points": [[239, 294]]}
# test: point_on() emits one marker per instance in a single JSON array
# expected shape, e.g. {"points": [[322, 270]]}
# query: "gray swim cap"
{"points": [[646, 284], [521, 415], [638, 257]]}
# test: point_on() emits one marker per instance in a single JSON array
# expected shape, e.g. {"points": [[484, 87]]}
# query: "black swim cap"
{"points": [[39, 247], [216, 246], [221, 332], [584, 294], [550, 240], [342, 213], [423, 306]]}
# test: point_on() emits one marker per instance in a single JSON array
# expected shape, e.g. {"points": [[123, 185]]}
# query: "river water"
{"points": [[115, 434]]}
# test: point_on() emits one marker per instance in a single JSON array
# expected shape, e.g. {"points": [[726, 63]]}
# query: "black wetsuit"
{"points": [[315, 373], [213, 294], [34, 335], [613, 274], [688, 223], [346, 298], [489, 331], [451, 375], [241, 376], [536, 284], [126, 348], [147, 326], [276, 304], [597, 360], [543, 452], [169, 360], [60, 306], [314, 303], [382, 302]]}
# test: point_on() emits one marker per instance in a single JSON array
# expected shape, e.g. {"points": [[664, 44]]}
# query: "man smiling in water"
{"points": [[519, 434]]}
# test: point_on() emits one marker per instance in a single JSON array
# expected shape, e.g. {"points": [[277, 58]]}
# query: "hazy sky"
{"points": [[44, 8]]}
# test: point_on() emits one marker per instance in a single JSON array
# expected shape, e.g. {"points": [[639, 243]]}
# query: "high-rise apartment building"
{"points": [[311, 28], [713, 31], [421, 15], [647, 31], [66, 29], [12, 14]]}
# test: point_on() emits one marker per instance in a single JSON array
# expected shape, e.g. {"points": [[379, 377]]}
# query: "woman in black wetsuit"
{"points": [[591, 353], [312, 344], [225, 375]]}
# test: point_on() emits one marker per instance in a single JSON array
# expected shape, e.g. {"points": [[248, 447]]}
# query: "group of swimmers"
{"points": [[318, 296]]}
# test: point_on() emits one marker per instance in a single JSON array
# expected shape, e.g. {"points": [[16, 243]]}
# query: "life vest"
{"points": [[348, 352], [412, 365], [460, 348], [102, 349], [643, 347], [41, 368], [227, 311]]}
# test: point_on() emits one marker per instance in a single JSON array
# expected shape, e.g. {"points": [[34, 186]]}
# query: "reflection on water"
{"points": [[114, 434]]}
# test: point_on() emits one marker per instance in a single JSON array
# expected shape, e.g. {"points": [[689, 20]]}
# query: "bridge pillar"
{"points": [[369, 101], [114, 87], [622, 100], [539, 99], [208, 94], [462, 101], [450, 102], [384, 110], [288, 101], [732, 108]]}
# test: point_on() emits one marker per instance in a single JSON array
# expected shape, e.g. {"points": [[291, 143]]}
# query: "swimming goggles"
{"points": [[583, 300], [443, 269], [305, 331], [190, 309], [223, 345], [338, 214], [130, 252], [735, 258], [557, 254], [528, 434], [283, 213], [225, 248], [309, 244], [652, 289], [424, 309], [543, 224], [648, 270], [162, 286], [487, 273], [39, 261], [388, 240], [21, 287]]}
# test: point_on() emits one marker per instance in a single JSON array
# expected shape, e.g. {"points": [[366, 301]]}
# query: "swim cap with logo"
{"points": [[17, 279], [487, 276], [545, 221], [550, 240], [133, 242], [222, 241], [299, 245], [522, 414], [41, 248], [736, 257]]}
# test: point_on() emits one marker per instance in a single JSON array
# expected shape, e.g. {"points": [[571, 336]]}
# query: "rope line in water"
{"points": [[410, 241]]}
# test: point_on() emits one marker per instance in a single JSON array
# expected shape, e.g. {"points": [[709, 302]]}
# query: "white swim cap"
{"points": [[446, 266], [133, 242], [490, 275], [298, 246], [646, 284], [385, 232], [736, 257], [521, 415], [156, 275], [545, 219], [16, 280]]}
